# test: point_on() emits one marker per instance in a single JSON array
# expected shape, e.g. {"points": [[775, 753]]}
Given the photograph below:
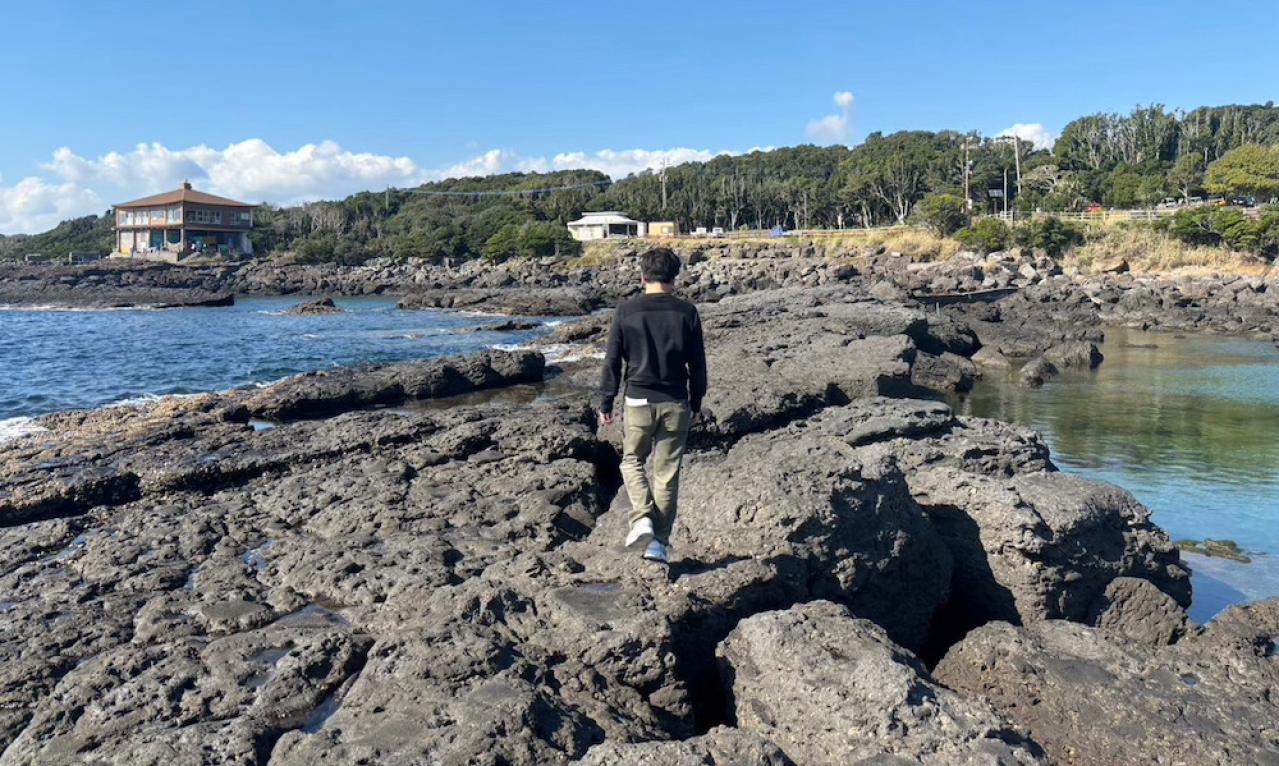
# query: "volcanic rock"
{"points": [[321, 307], [832, 689]]}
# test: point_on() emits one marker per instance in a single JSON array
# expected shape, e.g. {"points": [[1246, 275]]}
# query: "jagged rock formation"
{"points": [[1089, 699], [368, 580], [871, 699]]}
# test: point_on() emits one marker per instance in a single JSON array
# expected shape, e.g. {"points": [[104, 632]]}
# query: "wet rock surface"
{"points": [[322, 307], [384, 574], [545, 302]]}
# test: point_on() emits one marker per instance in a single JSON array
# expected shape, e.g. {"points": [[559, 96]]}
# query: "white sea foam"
{"points": [[554, 352], [73, 309], [13, 428], [141, 400], [568, 352], [144, 400]]}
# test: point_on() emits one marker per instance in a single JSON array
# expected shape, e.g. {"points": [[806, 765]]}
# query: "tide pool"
{"points": [[1188, 424]]}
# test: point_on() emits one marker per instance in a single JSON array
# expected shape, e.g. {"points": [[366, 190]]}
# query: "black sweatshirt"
{"points": [[660, 338]]}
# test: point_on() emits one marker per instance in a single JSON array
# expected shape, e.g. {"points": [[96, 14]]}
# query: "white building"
{"points": [[604, 225]]}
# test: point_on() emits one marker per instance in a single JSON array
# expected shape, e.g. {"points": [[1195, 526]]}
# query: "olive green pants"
{"points": [[659, 429]]}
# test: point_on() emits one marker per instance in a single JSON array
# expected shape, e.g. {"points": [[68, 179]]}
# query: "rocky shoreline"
{"points": [[1024, 285], [379, 575]]}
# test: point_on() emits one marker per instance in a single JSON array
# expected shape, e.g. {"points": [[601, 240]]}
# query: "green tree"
{"points": [[985, 235], [1051, 235], [531, 239], [1187, 174], [1248, 169], [892, 169], [1130, 187], [945, 214]]}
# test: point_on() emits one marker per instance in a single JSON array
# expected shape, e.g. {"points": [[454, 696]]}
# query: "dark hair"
{"points": [[660, 264]]}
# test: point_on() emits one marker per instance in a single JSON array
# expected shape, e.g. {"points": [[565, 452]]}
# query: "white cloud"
{"points": [[833, 128], [33, 205], [619, 164], [251, 169], [612, 162], [1033, 132], [73, 185]]}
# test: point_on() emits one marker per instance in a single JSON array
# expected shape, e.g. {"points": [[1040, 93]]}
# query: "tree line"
{"points": [[1118, 160]]}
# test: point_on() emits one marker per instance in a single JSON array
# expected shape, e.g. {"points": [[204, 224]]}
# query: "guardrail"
{"points": [[1100, 217]]}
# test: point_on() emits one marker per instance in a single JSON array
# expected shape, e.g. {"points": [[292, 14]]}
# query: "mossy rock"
{"points": [[1219, 549]]}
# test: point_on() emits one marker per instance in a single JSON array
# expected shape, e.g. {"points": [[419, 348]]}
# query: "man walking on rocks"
{"points": [[659, 338]]}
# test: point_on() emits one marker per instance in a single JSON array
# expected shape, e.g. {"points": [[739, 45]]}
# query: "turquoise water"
{"points": [[58, 360], [1187, 424]]}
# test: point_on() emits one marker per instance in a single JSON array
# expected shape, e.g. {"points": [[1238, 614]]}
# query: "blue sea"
{"points": [[74, 359]]}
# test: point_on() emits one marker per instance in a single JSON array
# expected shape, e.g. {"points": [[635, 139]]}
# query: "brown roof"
{"points": [[185, 194]]}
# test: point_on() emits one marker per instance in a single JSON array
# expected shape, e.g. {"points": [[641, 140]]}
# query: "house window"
{"points": [[157, 215], [175, 215], [204, 216], [244, 218]]}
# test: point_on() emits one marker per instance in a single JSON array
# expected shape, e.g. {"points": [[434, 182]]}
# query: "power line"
{"points": [[510, 193]]}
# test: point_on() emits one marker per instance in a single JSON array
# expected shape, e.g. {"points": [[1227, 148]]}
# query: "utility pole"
{"points": [[662, 176], [1005, 192], [1016, 163], [968, 200], [1017, 160]]}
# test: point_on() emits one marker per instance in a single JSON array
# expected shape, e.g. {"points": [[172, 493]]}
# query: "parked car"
{"points": [[1195, 201], [1094, 208], [718, 231], [1242, 201], [1169, 202]]}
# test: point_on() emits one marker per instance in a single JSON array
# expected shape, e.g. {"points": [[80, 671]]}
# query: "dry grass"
{"points": [[913, 243], [1148, 251]]}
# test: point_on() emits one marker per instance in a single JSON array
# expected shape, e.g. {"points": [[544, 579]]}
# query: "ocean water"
{"points": [[58, 360], [1188, 424]]}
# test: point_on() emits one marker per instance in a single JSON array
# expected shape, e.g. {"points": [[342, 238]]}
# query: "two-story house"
{"points": [[175, 224]]}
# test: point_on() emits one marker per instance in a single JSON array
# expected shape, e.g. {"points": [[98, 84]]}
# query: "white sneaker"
{"points": [[641, 533], [655, 552]]}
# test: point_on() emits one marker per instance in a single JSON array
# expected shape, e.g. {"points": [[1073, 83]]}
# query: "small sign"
{"points": [[995, 192]]}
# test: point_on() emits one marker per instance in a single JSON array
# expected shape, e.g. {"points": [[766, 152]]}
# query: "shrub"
{"points": [[532, 239], [945, 214], [317, 249], [1226, 227], [1051, 235], [985, 235]]}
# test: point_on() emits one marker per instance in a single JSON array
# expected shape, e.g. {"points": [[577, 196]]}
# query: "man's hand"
{"points": [[606, 418]]}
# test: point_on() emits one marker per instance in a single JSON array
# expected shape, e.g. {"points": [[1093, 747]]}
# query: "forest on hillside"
{"points": [[1118, 160]]}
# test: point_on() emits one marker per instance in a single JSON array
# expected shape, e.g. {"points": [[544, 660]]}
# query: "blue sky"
{"points": [[287, 101]]}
